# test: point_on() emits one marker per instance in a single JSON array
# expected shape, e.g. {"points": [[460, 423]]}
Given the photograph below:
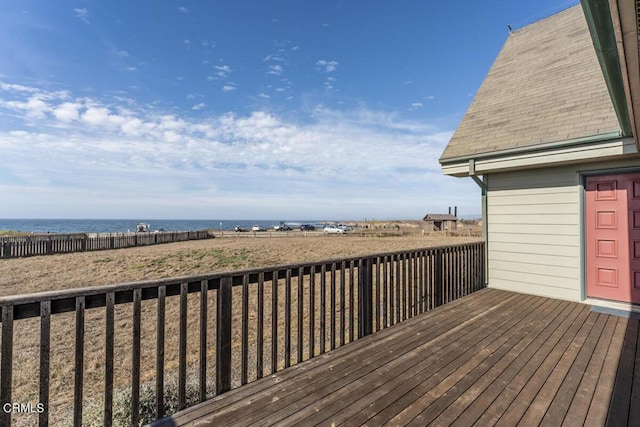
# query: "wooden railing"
{"points": [[48, 244], [234, 327]]}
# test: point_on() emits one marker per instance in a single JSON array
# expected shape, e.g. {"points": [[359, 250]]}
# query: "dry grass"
{"points": [[177, 259]]}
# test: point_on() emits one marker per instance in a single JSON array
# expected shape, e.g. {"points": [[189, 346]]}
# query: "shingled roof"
{"points": [[545, 86]]}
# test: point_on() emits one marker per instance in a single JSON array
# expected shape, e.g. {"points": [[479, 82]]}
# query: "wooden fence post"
{"points": [[365, 297], [223, 336]]}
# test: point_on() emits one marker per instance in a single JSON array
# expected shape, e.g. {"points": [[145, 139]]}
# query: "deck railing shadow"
{"points": [[227, 329]]}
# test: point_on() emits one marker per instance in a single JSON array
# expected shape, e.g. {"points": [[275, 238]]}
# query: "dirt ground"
{"points": [[66, 271]]}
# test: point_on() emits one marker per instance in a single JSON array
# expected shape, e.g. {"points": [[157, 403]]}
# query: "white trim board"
{"points": [[545, 158]]}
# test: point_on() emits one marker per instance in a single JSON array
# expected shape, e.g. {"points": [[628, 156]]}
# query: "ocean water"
{"points": [[122, 225]]}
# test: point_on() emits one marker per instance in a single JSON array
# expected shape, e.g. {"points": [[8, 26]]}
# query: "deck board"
{"points": [[491, 358]]}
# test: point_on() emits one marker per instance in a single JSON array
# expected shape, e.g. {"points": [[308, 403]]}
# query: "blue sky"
{"points": [[241, 109]]}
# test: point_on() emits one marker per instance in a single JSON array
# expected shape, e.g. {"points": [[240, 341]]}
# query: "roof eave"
{"points": [[624, 15], [600, 22], [534, 148]]}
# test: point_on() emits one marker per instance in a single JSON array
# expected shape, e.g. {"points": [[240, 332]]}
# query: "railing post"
{"points": [[223, 337], [6, 365], [365, 297]]}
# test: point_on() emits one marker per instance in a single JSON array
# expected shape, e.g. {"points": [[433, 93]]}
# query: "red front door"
{"points": [[613, 237]]}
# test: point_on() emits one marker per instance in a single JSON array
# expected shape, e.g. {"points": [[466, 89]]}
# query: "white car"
{"points": [[333, 229], [257, 228]]}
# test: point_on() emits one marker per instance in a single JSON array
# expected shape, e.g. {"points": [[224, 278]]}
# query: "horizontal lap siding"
{"points": [[534, 232]]}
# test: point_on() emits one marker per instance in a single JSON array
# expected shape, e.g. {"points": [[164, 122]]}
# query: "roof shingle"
{"points": [[545, 86]]}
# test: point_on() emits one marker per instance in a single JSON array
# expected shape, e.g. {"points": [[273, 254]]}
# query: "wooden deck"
{"points": [[491, 358]]}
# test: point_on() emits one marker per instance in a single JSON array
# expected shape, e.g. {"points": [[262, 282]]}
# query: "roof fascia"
{"points": [[609, 149], [598, 16], [624, 14], [534, 149]]}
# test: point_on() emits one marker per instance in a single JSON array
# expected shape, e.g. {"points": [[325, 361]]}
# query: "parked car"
{"points": [[239, 229], [334, 229], [257, 228], [281, 227], [307, 227]]}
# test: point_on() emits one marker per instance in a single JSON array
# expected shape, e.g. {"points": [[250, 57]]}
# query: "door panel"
{"points": [[612, 206]]}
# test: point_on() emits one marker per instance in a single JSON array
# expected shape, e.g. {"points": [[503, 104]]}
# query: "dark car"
{"points": [[307, 227]]}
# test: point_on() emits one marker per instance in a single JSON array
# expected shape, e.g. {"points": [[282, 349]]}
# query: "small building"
{"points": [[441, 222], [551, 138]]}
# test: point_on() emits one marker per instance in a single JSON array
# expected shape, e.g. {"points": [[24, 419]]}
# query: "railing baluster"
{"points": [[287, 319], [342, 303], [274, 322], [45, 346], [110, 299], [6, 364], [323, 308], [378, 299], [415, 282], [223, 336], [438, 279], [135, 357], [385, 292], [351, 301], [406, 290], [422, 280], [244, 351], [312, 309], [300, 313], [333, 306], [182, 350], [204, 287], [260, 327], [398, 286], [365, 297], [79, 362], [162, 293]]}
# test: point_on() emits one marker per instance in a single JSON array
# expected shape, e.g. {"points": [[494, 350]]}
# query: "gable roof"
{"points": [[545, 86]]}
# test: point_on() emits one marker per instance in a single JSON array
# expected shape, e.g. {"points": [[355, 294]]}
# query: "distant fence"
{"points": [[49, 244]]}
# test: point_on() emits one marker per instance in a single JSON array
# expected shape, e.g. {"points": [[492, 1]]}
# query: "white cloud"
{"points": [[264, 95], [131, 69], [417, 105], [82, 14], [123, 53], [183, 10], [199, 106], [430, 97], [229, 87], [67, 112], [105, 152], [222, 71], [275, 70], [327, 66]]}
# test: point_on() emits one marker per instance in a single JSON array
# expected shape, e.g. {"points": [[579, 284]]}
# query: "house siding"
{"points": [[535, 229]]}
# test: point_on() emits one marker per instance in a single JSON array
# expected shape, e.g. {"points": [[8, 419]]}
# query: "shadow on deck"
{"points": [[493, 357]]}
